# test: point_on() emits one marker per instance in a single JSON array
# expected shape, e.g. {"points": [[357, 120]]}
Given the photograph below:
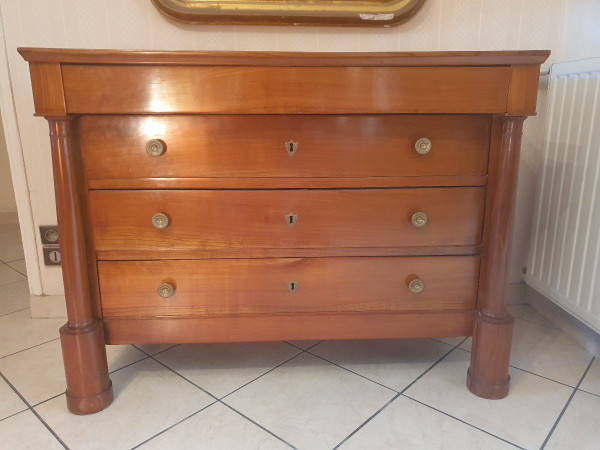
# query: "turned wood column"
{"points": [[89, 388], [490, 356]]}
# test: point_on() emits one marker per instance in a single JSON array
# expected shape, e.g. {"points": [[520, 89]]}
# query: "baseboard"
{"points": [[44, 306], [568, 323]]}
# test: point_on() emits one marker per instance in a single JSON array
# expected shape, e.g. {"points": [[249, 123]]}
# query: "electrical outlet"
{"points": [[49, 234]]}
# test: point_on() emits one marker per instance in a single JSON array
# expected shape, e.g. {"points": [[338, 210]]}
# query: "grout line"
{"points": [[35, 413], [351, 371], [531, 373], [16, 270], [18, 310], [29, 348], [462, 421], [223, 403], [14, 414], [257, 424], [110, 372], [537, 323], [172, 426], [566, 405], [48, 399], [396, 396], [588, 392], [262, 375], [157, 353], [304, 349]]}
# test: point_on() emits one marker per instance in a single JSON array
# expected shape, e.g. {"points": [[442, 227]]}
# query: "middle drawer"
{"points": [[285, 219]]}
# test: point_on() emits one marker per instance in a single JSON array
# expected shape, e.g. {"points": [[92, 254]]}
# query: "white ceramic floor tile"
{"points": [[526, 312], [38, 373], [452, 340], [18, 331], [153, 349], [547, 352], [11, 247], [25, 432], [591, 382], [14, 297], [394, 363], [524, 418], [10, 403], [304, 344], [148, 399], [579, 427], [222, 368], [310, 403], [408, 424], [215, 428], [19, 266], [9, 275]]}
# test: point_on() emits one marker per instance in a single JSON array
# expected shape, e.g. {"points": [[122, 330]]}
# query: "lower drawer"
{"points": [[286, 285]]}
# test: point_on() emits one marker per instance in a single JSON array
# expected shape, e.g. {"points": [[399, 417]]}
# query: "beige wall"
{"points": [[565, 27], [7, 195]]}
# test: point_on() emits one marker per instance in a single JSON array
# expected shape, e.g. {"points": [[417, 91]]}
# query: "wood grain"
{"points": [[523, 90], [388, 325], [213, 219], [287, 183], [286, 59], [150, 254], [120, 89], [254, 146], [488, 374], [259, 286], [47, 85]]}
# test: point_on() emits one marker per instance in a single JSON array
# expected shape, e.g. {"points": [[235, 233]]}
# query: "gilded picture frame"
{"points": [[370, 13]]}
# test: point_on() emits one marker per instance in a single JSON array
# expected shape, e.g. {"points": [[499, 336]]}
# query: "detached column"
{"points": [[89, 388], [488, 375]]}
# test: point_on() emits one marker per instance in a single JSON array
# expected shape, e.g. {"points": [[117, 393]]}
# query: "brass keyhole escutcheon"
{"points": [[291, 147], [419, 219], [166, 290], [160, 221], [292, 286], [416, 286], [291, 219]]}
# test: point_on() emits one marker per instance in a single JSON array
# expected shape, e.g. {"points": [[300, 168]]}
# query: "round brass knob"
{"points": [[160, 221], [416, 286], [423, 146], [166, 290], [155, 147], [419, 219]]}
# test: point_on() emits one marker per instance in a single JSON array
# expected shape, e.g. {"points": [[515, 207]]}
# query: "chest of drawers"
{"points": [[222, 197]]}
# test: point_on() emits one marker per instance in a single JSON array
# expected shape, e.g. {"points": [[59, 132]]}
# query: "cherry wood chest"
{"points": [[221, 197]]}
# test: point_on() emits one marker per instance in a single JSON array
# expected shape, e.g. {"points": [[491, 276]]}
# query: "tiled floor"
{"points": [[400, 394]]}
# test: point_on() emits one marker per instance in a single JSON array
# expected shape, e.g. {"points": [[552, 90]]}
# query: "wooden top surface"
{"points": [[493, 58]]}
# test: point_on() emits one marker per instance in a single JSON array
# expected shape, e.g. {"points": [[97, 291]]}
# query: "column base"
{"points": [[89, 388], [490, 356]]}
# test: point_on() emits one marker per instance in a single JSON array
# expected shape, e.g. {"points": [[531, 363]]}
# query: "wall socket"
{"points": [[50, 248]]}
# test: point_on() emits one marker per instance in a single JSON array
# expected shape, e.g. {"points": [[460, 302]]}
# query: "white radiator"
{"points": [[564, 258]]}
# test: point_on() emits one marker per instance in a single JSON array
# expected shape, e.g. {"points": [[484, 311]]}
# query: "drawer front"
{"points": [[259, 146], [140, 89], [217, 219], [286, 285]]}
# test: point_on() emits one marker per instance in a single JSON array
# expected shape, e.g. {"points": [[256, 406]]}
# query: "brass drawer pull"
{"points": [[155, 147], [166, 290], [291, 147], [419, 219], [423, 146], [160, 221], [416, 286]]}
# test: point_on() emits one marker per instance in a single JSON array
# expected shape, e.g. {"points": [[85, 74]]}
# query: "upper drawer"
{"points": [[114, 147], [285, 219], [138, 89]]}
